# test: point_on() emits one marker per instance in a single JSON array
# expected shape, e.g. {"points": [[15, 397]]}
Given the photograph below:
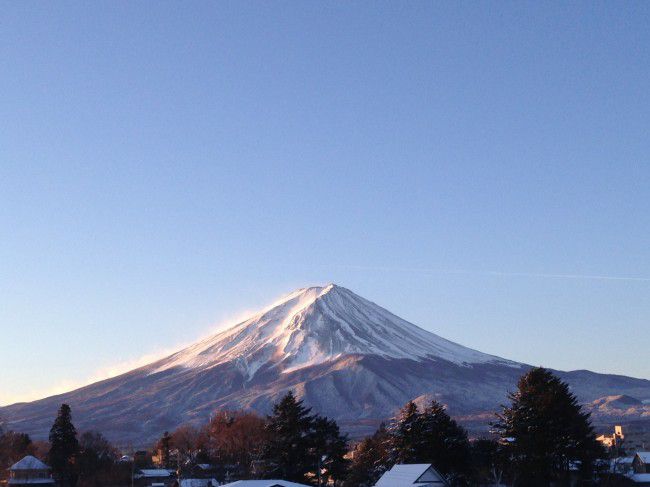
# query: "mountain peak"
{"points": [[319, 324]]}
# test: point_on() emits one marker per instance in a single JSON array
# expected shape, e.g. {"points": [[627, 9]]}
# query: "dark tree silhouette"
{"points": [[302, 447], [370, 460], [547, 432], [286, 454], [430, 436], [63, 448]]}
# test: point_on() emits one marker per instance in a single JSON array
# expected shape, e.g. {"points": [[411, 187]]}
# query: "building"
{"points": [[200, 471], [196, 483], [30, 471], [154, 477], [628, 439], [409, 475], [623, 465], [264, 483], [641, 462]]}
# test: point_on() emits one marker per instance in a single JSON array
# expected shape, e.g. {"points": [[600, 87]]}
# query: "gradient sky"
{"points": [[481, 169]]}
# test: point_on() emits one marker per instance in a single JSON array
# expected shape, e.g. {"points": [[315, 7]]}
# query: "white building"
{"points": [[412, 475], [30, 471], [264, 483], [197, 483]]}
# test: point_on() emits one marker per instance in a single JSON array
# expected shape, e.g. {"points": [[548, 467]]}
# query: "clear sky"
{"points": [[481, 169]]}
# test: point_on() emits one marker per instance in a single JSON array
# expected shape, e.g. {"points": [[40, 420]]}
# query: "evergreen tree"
{"points": [[430, 437], [488, 462], [287, 453], [64, 447], [547, 431], [405, 436], [329, 448], [443, 443], [370, 460]]}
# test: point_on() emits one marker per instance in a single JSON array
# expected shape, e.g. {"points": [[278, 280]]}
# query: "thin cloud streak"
{"points": [[421, 270]]}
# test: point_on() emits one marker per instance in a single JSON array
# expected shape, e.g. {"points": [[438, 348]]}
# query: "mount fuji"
{"points": [[347, 357]]}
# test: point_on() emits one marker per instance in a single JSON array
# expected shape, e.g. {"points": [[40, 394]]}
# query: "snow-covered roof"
{"points": [[640, 478], [264, 483], [41, 482], [411, 474], [644, 456], [154, 472], [198, 483], [29, 463]]}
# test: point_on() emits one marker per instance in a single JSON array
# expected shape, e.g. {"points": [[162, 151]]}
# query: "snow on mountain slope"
{"points": [[346, 357], [315, 325]]}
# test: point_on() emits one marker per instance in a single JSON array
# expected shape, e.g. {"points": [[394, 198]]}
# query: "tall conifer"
{"points": [[63, 448], [547, 432]]}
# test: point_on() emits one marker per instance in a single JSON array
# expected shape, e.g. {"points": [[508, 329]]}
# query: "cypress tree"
{"points": [[63, 448]]}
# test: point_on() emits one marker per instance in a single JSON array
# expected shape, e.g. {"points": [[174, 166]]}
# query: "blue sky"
{"points": [[472, 166]]}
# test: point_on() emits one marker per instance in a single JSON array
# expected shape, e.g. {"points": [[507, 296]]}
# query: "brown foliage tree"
{"points": [[234, 438]]}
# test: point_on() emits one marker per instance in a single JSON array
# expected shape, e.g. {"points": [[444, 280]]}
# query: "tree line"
{"points": [[541, 438]]}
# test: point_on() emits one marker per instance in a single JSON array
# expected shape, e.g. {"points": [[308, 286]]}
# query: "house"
{"points": [[196, 483], [264, 483], [641, 462], [640, 479], [415, 474], [623, 465], [200, 471], [30, 471], [154, 477]]}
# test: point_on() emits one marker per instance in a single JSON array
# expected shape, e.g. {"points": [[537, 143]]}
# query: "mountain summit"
{"points": [[347, 357], [315, 325]]}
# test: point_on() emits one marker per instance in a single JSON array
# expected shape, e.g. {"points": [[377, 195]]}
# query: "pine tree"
{"points": [[370, 460], [64, 447], [287, 453], [443, 443], [328, 448], [405, 435], [430, 436], [547, 431]]}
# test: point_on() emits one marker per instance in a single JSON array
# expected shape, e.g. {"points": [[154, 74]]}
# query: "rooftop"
{"points": [[264, 483], [409, 474], [29, 463]]}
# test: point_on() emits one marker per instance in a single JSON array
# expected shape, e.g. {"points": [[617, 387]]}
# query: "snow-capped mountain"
{"points": [[316, 325], [345, 356]]}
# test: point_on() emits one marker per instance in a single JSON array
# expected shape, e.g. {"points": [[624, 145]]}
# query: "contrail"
{"points": [[422, 270]]}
